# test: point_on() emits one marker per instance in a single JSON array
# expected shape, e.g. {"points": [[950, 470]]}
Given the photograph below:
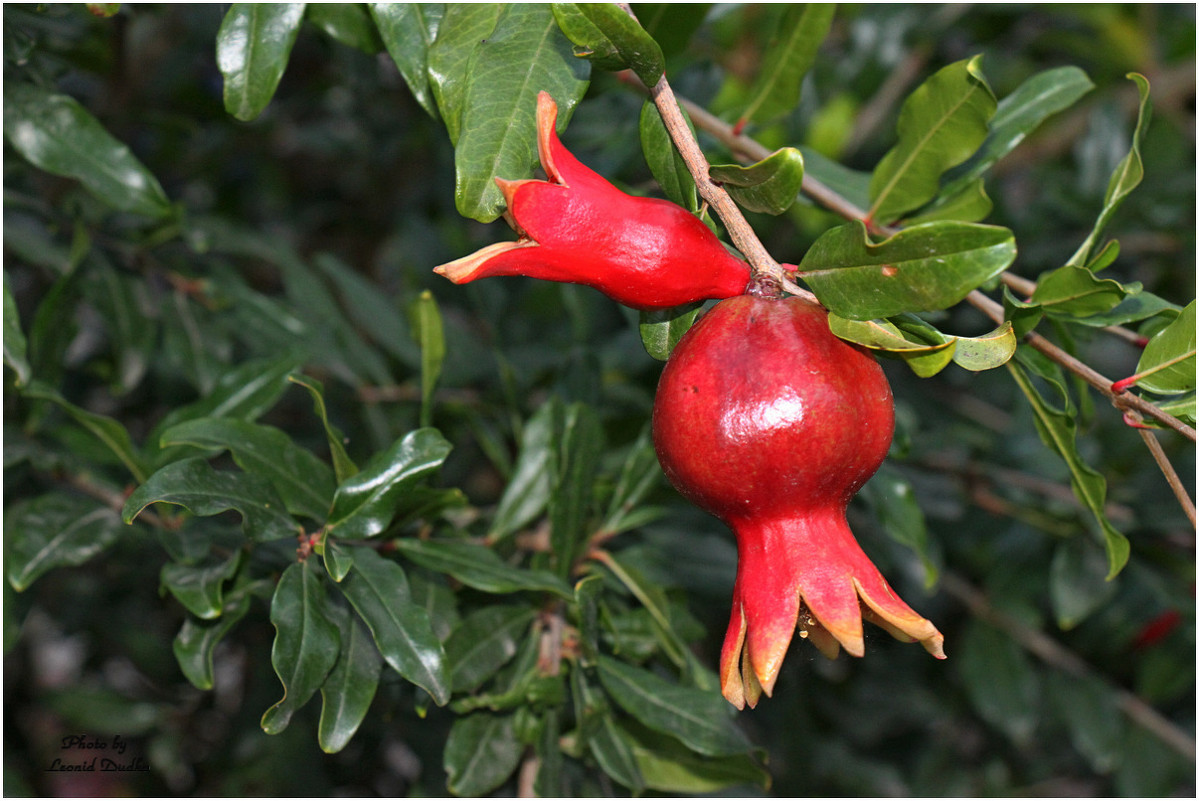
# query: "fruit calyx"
{"points": [[771, 423]]}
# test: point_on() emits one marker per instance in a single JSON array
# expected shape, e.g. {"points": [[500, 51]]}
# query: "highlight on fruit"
{"points": [[771, 423], [576, 227]]}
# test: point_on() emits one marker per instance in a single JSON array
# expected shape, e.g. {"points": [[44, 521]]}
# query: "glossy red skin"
{"points": [[578, 228], [768, 421]]}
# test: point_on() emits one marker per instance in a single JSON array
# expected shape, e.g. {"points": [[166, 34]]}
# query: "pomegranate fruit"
{"points": [[771, 423]]}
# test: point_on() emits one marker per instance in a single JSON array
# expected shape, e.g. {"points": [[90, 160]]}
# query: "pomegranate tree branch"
{"points": [[1180, 491]]}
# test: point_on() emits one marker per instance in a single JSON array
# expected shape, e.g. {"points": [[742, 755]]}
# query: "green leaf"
{"points": [[463, 27], [770, 186], [1133, 308], [498, 138], [668, 767], [923, 268], [122, 303], [1057, 429], [789, 55], [194, 485], [304, 482], [999, 680], [408, 31], [1167, 365], [252, 49], [988, 351], [484, 642], [661, 329], [698, 718], [60, 136], [378, 590], [1127, 176], [1092, 714], [653, 598], [606, 35], [481, 753], [14, 337], [106, 429], [1019, 114], [307, 642], [941, 124], [924, 349], [667, 166], [1077, 585], [968, 204], [891, 497], [343, 467], [338, 560], [587, 598], [54, 530], [428, 333], [200, 588], [581, 445], [528, 490], [372, 309], [639, 474], [348, 691], [672, 24], [853, 185], [349, 23], [1075, 292], [365, 504], [196, 641], [478, 566]]}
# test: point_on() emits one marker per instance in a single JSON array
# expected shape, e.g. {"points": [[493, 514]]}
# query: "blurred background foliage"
{"points": [[346, 175]]}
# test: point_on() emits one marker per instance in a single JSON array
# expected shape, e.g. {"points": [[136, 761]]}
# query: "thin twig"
{"points": [[1180, 491], [1057, 655]]}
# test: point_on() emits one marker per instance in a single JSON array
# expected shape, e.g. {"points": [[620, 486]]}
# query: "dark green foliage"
{"points": [[256, 449]]}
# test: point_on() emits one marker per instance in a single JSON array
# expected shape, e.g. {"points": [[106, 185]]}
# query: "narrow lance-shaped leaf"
{"points": [[581, 443], [253, 46], [196, 641], [607, 36], [14, 337], [1167, 365], [54, 530], [923, 268], [109, 431], [407, 30], [427, 331], [343, 466], [1072, 291], [668, 766], [348, 691], [1127, 176], [200, 588], [498, 137], [484, 642], [528, 491], [789, 55], [378, 590], [194, 485], [481, 752], [307, 642], [478, 566], [770, 186], [665, 163], [941, 124], [56, 134]]}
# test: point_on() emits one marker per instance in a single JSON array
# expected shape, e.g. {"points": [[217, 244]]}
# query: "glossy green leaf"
{"points": [[478, 566], [891, 497], [606, 35], [656, 604], [941, 124], [54, 530], [365, 504], [661, 329], [307, 642], [1127, 176], [348, 691], [378, 590], [484, 642], [338, 560], [1057, 429], [1077, 581], [253, 46], [343, 466], [304, 482], [194, 485], [968, 204], [428, 333], [789, 55], [349, 23], [481, 753], [615, 754], [533, 476], [498, 137], [1167, 365], [408, 31], [581, 444], [700, 719], [109, 431], [196, 641], [14, 338], [56, 134], [1076, 292], [200, 588], [667, 766], [665, 163], [923, 268], [1019, 114], [1133, 308], [770, 186], [463, 28], [1000, 682]]}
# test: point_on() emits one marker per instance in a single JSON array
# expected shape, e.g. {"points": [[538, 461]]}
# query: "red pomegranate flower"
{"points": [[578, 228], [767, 420]]}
